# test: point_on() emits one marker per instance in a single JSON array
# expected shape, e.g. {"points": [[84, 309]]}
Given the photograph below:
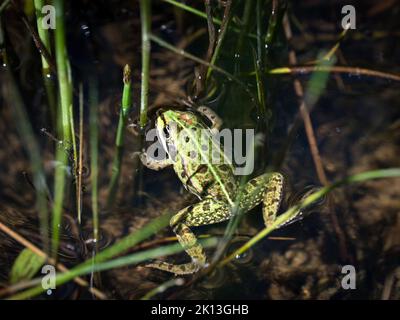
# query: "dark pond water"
{"points": [[355, 121]]}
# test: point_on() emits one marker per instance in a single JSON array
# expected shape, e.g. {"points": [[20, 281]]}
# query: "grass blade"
{"points": [[145, 18], [25, 130], [64, 121], [119, 140], [25, 266], [94, 153], [44, 36]]}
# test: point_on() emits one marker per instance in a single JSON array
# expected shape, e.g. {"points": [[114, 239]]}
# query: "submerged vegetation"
{"points": [[76, 103]]}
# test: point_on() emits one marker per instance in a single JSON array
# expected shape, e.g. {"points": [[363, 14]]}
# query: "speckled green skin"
{"points": [[215, 184]]}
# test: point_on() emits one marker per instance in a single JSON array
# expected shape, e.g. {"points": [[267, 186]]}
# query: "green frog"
{"points": [[181, 134]]}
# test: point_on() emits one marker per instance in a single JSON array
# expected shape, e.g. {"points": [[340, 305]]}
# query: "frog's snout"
{"points": [[159, 112]]}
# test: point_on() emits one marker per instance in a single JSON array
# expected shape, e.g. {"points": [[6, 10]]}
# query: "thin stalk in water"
{"points": [[203, 15], [94, 154], [44, 36], [25, 130], [80, 162], [63, 119], [119, 140], [221, 36], [145, 18]]}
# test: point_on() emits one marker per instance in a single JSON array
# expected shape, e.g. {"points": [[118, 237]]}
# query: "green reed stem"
{"points": [[44, 36], [248, 8], [202, 14], [221, 36], [59, 189], [190, 56], [259, 58], [260, 85], [191, 10], [78, 184], [119, 140], [145, 18], [4, 5], [94, 153], [71, 122], [64, 121], [25, 130], [64, 80], [260, 43], [43, 33], [272, 24]]}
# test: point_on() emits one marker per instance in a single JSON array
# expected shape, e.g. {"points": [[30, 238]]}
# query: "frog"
{"points": [[181, 135]]}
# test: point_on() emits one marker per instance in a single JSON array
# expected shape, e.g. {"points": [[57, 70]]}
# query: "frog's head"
{"points": [[170, 123]]}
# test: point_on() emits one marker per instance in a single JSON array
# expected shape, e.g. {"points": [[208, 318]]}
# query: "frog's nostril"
{"points": [[159, 111]]}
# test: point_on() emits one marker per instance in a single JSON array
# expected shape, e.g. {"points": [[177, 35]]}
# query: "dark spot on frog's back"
{"points": [[230, 186], [202, 169], [224, 167], [206, 206], [254, 183]]}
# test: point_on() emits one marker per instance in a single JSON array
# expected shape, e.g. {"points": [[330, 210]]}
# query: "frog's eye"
{"points": [[166, 131]]}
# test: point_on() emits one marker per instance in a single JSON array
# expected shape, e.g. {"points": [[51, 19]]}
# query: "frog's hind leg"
{"points": [[205, 212], [268, 189], [189, 242]]}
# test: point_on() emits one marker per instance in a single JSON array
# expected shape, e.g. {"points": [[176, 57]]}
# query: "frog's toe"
{"points": [[178, 269]]}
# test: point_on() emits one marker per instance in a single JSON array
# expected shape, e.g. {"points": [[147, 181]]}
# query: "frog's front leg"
{"points": [[205, 212], [267, 188], [152, 163], [216, 121]]}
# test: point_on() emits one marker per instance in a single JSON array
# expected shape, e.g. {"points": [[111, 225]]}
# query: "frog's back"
{"points": [[201, 164], [207, 179]]}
